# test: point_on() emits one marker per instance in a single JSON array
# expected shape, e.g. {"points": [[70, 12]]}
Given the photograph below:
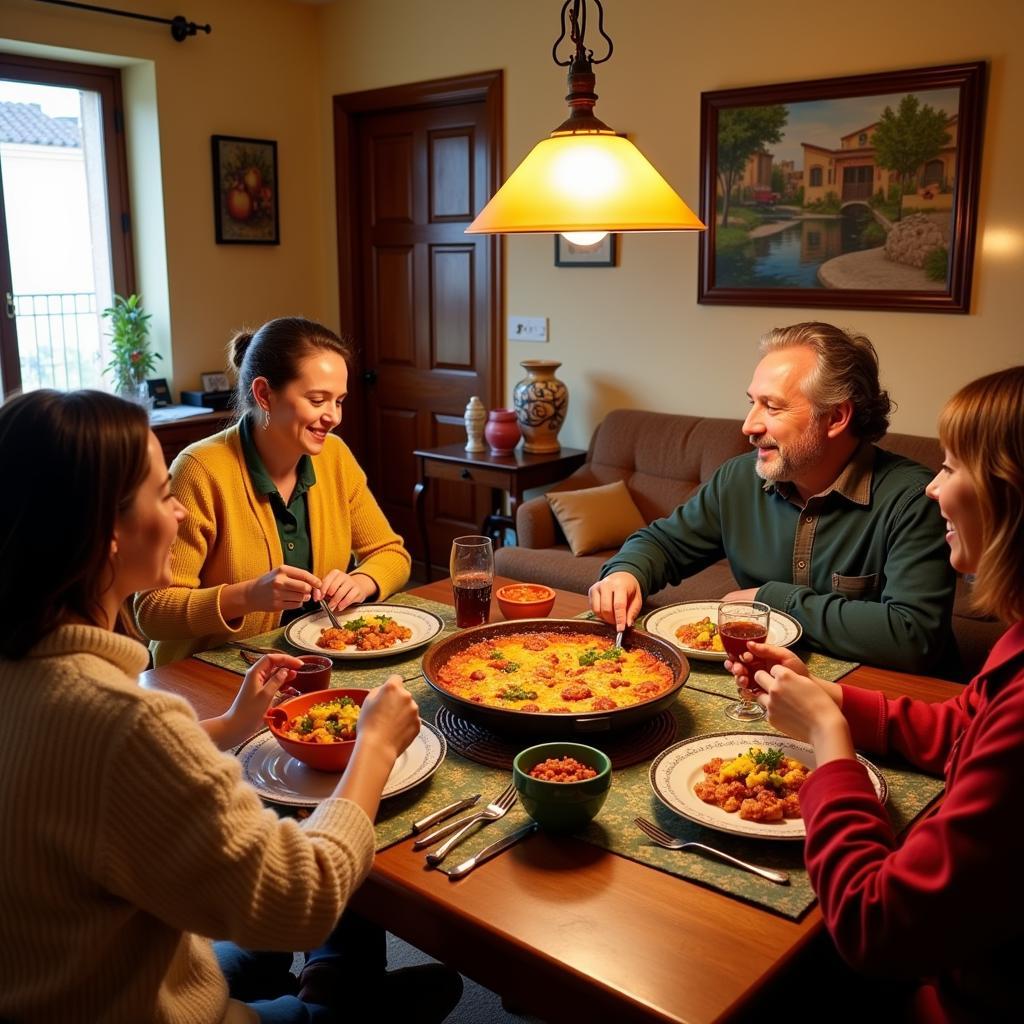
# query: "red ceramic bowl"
{"points": [[525, 600], [324, 757]]}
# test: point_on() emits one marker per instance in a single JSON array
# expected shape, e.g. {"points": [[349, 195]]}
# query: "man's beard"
{"points": [[792, 459]]}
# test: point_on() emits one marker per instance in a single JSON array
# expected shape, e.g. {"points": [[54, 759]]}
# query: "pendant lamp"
{"points": [[584, 180]]}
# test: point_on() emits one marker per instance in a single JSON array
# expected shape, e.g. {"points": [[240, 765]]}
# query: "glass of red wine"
{"points": [[739, 622], [472, 569]]}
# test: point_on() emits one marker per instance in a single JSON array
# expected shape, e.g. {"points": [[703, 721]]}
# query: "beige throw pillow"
{"points": [[596, 518]]}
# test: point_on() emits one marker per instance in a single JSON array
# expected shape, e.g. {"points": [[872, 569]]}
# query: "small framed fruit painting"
{"points": [[245, 190]]}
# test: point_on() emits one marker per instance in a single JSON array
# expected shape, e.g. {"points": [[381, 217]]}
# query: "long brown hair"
{"points": [[982, 427], [274, 352], [72, 462]]}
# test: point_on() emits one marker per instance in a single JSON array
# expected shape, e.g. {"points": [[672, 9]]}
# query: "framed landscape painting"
{"points": [[245, 190], [856, 192]]}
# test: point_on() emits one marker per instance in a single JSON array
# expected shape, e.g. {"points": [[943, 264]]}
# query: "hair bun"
{"points": [[237, 348]]}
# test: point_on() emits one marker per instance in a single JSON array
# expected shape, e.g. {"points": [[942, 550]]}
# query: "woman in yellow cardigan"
{"points": [[277, 504]]}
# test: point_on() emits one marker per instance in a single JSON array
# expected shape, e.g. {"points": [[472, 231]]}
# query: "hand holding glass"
{"points": [[739, 622], [472, 571]]}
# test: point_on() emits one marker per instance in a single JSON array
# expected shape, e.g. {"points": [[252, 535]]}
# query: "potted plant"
{"points": [[131, 358]]}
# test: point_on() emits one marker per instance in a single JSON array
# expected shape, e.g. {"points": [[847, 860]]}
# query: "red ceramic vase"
{"points": [[502, 431]]}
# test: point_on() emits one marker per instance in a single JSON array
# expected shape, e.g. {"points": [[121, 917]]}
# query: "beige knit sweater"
{"points": [[125, 837], [230, 535]]}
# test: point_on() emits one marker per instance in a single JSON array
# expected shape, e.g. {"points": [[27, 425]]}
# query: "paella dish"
{"points": [[701, 635], [332, 721], [554, 673], [366, 633], [762, 784]]}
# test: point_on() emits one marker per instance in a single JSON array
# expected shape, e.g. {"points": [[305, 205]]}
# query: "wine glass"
{"points": [[738, 622], [472, 569]]}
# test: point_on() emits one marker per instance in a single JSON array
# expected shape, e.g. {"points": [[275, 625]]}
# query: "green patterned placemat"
{"points": [[699, 709], [346, 673]]}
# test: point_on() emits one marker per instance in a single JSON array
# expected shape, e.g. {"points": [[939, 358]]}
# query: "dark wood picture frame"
{"points": [[738, 268], [602, 254], [245, 191]]}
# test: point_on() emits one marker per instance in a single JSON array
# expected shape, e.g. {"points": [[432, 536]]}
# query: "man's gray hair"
{"points": [[847, 370]]}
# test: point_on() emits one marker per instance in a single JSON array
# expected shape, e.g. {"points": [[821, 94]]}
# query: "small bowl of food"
{"points": [[318, 728], [562, 786], [525, 600]]}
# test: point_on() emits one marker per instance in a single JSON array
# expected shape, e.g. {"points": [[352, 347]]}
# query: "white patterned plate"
{"points": [[678, 769], [304, 633], [278, 777], [783, 629]]}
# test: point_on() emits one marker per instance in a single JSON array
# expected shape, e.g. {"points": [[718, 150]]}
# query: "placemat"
{"points": [[699, 709], [345, 673], [640, 743]]}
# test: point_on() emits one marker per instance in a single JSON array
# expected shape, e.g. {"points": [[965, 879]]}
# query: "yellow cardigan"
{"points": [[230, 535]]}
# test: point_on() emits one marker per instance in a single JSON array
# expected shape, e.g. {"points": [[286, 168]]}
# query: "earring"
{"points": [[266, 419]]}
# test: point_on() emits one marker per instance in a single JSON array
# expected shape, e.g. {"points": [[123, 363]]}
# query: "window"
{"points": [[65, 244], [815, 177], [862, 139]]}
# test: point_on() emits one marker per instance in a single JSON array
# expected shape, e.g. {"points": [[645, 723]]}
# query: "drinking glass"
{"points": [[472, 569], [738, 622]]}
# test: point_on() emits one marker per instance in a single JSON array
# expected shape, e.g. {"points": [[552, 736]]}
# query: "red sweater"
{"points": [[946, 906]]}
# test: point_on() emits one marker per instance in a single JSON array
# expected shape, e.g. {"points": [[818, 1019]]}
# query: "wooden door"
{"points": [[420, 298]]}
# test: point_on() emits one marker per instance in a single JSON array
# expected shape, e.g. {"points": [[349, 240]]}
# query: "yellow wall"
{"points": [[632, 335], [635, 335], [256, 75]]}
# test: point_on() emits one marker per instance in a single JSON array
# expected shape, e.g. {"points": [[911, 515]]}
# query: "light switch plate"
{"points": [[527, 328]]}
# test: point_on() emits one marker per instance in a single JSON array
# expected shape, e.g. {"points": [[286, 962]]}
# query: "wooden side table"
{"points": [[175, 434], [514, 474]]}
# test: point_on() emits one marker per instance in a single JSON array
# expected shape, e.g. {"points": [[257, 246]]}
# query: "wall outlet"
{"points": [[527, 328]]}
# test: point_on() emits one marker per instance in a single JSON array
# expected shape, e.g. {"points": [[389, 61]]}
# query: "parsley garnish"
{"points": [[768, 759]]}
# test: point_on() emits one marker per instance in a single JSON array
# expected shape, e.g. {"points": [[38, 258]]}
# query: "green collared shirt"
{"points": [[292, 519], [863, 566]]}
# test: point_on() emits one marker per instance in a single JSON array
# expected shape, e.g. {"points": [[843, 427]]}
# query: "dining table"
{"points": [[565, 930]]}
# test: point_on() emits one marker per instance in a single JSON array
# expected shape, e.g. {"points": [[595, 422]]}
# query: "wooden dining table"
{"points": [[565, 930]]}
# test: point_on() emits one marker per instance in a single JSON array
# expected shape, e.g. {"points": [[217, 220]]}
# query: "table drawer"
{"points": [[482, 475]]}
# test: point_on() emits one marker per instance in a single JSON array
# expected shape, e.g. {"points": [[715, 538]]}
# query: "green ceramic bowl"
{"points": [[562, 806]]}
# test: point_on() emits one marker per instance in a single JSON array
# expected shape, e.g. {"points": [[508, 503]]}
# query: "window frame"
{"points": [[107, 82]]}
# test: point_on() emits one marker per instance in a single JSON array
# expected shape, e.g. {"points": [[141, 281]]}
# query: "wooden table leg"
{"points": [[419, 504]]}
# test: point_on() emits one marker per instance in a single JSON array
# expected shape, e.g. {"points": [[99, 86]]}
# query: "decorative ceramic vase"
{"points": [[475, 417], [502, 431], [541, 401]]}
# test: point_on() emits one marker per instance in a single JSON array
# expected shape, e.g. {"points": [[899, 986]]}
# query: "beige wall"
{"points": [[256, 75], [632, 335], [635, 335]]}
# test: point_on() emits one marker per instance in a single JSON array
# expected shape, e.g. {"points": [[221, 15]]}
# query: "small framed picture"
{"points": [[245, 191], [215, 382], [159, 392], [571, 254]]}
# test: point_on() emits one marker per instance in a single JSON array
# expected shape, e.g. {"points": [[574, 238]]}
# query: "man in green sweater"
{"points": [[817, 521]]}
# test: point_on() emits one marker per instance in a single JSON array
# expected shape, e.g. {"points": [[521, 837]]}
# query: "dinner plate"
{"points": [[783, 629], [278, 777], [304, 633], [678, 769]]}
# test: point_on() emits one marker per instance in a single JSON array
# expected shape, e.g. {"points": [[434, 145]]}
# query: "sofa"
{"points": [[663, 459]]}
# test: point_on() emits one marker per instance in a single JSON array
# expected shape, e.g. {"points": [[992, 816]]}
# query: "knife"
{"points": [[445, 812], [489, 851]]}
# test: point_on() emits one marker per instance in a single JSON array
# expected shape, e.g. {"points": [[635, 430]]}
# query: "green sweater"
{"points": [[864, 566]]}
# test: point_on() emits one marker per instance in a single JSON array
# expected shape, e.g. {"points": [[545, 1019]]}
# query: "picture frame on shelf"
{"points": [[159, 392], [245, 190], [571, 254], [858, 192], [215, 381]]}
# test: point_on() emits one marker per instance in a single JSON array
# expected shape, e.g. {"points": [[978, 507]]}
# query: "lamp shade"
{"points": [[585, 181]]}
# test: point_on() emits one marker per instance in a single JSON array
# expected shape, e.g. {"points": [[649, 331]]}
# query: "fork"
{"points": [[491, 812], [330, 614], [671, 843]]}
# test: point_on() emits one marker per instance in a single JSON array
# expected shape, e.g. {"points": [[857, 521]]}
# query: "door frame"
{"points": [[486, 87]]}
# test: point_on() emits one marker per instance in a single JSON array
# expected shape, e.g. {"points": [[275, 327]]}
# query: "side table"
{"points": [[514, 474]]}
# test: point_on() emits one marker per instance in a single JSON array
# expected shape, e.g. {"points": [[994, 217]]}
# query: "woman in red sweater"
{"points": [[944, 909]]}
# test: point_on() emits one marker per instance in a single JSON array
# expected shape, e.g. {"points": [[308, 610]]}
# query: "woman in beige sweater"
{"points": [[277, 506], [127, 838]]}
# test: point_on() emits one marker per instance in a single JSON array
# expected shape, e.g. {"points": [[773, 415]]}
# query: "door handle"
{"points": [[9, 304], [369, 376]]}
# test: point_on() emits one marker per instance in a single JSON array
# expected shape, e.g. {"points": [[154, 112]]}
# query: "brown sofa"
{"points": [[663, 459]]}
